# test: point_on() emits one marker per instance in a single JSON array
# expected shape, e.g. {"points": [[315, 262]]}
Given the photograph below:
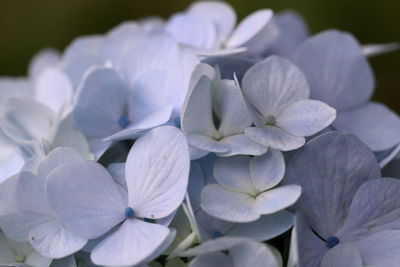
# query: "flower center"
{"points": [[123, 121], [19, 258], [270, 120], [332, 241], [217, 234], [129, 213]]}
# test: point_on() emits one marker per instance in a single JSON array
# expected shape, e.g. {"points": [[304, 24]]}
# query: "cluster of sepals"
{"points": [[239, 133]]}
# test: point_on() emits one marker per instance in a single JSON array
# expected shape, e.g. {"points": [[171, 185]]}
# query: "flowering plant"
{"points": [[200, 142]]}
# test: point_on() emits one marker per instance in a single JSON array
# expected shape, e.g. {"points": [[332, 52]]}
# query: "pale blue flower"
{"points": [[247, 189], [156, 174], [104, 108], [26, 213], [347, 215], [340, 75], [209, 28], [214, 116], [277, 93]]}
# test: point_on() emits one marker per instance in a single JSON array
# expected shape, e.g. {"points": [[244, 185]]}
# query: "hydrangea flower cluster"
{"points": [[195, 141]]}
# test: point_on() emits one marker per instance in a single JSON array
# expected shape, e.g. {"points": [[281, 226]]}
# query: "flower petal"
{"points": [[374, 207], [265, 228], [42, 60], [227, 205], [132, 243], [340, 164], [275, 138], [222, 14], [375, 125], [240, 144], [277, 199], [100, 103], [249, 27], [267, 171], [342, 255], [273, 84], [233, 173], [53, 88], [19, 215], [306, 117], [193, 30], [230, 108], [80, 55], [52, 240], [85, 198], [197, 115], [206, 143], [157, 171], [55, 158], [336, 69], [377, 249], [254, 254]]}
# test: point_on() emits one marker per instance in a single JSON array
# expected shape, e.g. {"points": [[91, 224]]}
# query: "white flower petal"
{"points": [[85, 198], [52, 240], [277, 199], [80, 55], [230, 108], [336, 69], [227, 205], [132, 243], [138, 128], [267, 171], [273, 84], [197, 116], [157, 172], [206, 143], [26, 120], [100, 103], [193, 30], [56, 158], [233, 173], [222, 14], [45, 58], [306, 117], [54, 89], [26, 206], [275, 137], [254, 254], [12, 165], [249, 27], [240, 144]]}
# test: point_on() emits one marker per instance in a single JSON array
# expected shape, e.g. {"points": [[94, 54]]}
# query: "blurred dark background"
{"points": [[26, 26]]}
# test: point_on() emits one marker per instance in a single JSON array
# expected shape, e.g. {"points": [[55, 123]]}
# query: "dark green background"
{"points": [[26, 26]]}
